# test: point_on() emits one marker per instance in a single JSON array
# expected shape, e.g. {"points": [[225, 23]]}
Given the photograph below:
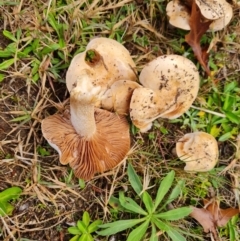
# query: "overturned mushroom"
{"points": [[199, 150], [106, 60], [219, 12], [89, 139], [172, 84]]}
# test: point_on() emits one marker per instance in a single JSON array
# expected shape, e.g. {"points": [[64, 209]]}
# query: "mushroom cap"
{"points": [[178, 15], [145, 107], [172, 84], [199, 150], [117, 97], [111, 62], [211, 9], [220, 12], [222, 22], [107, 148]]}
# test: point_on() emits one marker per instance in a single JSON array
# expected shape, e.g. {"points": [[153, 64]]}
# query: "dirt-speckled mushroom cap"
{"points": [[199, 150], [117, 97], [106, 59], [145, 107], [212, 9], [222, 22], [174, 81], [178, 15], [107, 148]]}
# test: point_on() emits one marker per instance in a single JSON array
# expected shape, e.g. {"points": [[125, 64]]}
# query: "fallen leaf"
{"points": [[198, 26], [212, 216]]}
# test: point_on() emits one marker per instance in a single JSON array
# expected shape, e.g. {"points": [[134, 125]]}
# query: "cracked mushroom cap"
{"points": [[171, 85], [199, 150], [117, 98], [106, 149], [106, 59]]}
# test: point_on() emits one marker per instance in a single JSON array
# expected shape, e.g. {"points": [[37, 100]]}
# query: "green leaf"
{"points": [[6, 64], [52, 21], [175, 192], [9, 35], [175, 214], [10, 193], [75, 238], [5, 54], [225, 137], [229, 102], [2, 76], [86, 218], [94, 226], [134, 180], [3, 209], [115, 203], [81, 226], [154, 236], [118, 226], [164, 187], [138, 233], [130, 204], [74, 230], [232, 117], [147, 200], [175, 235], [83, 237], [161, 225]]}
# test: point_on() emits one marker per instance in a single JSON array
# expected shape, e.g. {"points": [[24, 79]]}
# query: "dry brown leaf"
{"points": [[198, 26], [212, 216]]}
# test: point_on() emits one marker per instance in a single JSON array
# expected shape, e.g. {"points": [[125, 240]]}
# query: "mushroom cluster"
{"points": [[219, 12], [90, 139], [92, 136]]}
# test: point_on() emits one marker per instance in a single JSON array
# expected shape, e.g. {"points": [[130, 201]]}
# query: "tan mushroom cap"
{"points": [[220, 12], [178, 15], [117, 98], [222, 22], [107, 148], [199, 150], [211, 9], [112, 62], [172, 84]]}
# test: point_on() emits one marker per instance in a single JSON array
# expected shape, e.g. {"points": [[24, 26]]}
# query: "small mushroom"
{"points": [[220, 12], [178, 15], [171, 85], [89, 139], [106, 60], [199, 150], [117, 97]]}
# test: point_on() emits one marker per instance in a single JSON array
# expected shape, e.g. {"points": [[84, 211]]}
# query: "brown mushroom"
{"points": [[199, 150], [89, 139], [172, 83]]}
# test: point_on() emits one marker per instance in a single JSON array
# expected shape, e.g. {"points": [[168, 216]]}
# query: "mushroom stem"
{"points": [[82, 117]]}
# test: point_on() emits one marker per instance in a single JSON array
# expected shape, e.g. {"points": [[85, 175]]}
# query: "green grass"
{"points": [[38, 39]]}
